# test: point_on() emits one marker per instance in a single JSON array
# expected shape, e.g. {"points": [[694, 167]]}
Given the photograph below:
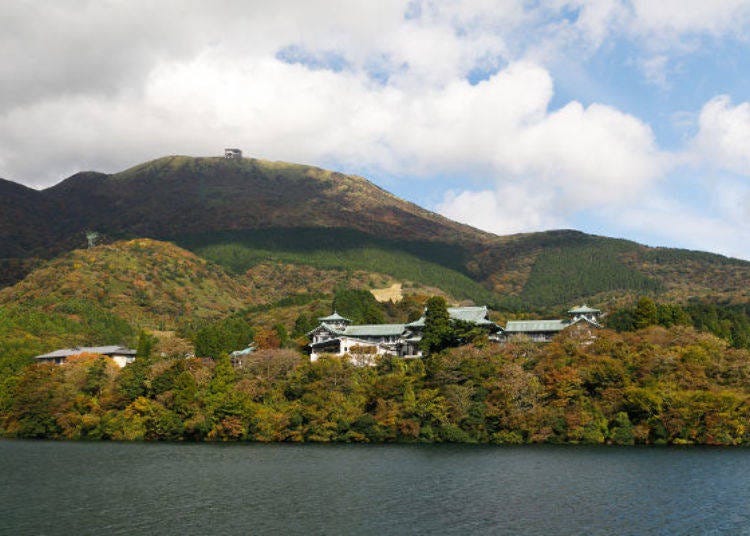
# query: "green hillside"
{"points": [[107, 294], [424, 264]]}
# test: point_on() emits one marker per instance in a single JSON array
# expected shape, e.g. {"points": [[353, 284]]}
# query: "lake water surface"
{"points": [[165, 489]]}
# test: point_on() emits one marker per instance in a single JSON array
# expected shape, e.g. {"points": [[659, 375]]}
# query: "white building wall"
{"points": [[122, 360]]}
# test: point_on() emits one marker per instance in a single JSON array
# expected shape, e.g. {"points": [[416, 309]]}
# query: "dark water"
{"points": [[118, 488]]}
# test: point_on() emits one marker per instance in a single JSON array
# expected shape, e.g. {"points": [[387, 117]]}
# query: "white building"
{"points": [[119, 354], [335, 335], [544, 330], [232, 154]]}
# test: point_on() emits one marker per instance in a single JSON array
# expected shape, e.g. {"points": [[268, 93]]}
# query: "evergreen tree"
{"points": [[223, 337], [646, 313], [283, 335], [359, 306], [133, 380], [146, 343], [303, 325], [438, 332], [223, 376]]}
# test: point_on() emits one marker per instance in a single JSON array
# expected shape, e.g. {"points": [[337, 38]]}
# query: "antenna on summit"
{"points": [[91, 237]]}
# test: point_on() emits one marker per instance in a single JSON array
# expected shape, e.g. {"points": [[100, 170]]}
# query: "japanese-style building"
{"points": [[336, 335], [544, 330], [119, 354]]}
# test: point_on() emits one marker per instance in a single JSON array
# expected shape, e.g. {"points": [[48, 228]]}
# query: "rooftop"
{"points": [[530, 326], [100, 350], [374, 330], [335, 317], [583, 309], [475, 315]]}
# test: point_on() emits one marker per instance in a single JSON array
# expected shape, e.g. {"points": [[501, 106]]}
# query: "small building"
{"points": [[232, 154], [544, 330], [335, 335], [119, 354], [237, 356]]}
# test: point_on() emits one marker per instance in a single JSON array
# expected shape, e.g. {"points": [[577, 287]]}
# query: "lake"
{"points": [[141, 488]]}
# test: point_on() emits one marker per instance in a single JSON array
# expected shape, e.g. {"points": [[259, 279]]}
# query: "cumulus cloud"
{"points": [[192, 76], [418, 90], [723, 138], [511, 208], [496, 129], [550, 164]]}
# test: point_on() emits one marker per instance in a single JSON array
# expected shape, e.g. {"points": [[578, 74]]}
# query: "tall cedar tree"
{"points": [[359, 306], [438, 332]]}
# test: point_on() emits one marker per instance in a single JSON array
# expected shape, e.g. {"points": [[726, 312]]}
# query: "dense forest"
{"points": [[730, 322], [653, 386], [658, 373]]}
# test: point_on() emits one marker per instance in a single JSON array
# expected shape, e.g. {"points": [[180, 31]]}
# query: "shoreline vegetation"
{"points": [[654, 386]]}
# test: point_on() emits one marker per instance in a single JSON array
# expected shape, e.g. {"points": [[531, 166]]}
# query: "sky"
{"points": [[625, 118]]}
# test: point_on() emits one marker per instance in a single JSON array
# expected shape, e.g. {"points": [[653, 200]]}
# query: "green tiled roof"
{"points": [[326, 327], [374, 330], [583, 309], [529, 326], [335, 317], [475, 315]]}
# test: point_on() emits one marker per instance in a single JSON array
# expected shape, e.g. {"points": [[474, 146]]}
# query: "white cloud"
{"points": [[723, 137], [723, 229], [499, 127], [676, 17], [548, 165], [427, 120], [106, 85], [511, 208], [654, 69]]}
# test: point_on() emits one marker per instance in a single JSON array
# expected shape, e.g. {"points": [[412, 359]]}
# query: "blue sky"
{"points": [[628, 118]]}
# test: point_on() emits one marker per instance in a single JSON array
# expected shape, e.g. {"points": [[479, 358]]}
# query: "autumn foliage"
{"points": [[655, 386]]}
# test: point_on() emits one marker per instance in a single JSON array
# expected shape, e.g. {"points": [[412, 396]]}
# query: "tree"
{"points": [[132, 381], [672, 314], [267, 338], [96, 376], [438, 332], [282, 334], [359, 306], [223, 337], [303, 325], [646, 313], [146, 343]]}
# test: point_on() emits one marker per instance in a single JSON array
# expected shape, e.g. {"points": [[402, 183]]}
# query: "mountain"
{"points": [[109, 293], [146, 282], [241, 213]]}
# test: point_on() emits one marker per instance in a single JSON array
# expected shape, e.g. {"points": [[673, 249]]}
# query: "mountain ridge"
{"points": [[235, 212]]}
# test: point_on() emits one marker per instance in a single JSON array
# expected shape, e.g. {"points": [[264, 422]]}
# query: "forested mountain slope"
{"points": [[240, 213]]}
